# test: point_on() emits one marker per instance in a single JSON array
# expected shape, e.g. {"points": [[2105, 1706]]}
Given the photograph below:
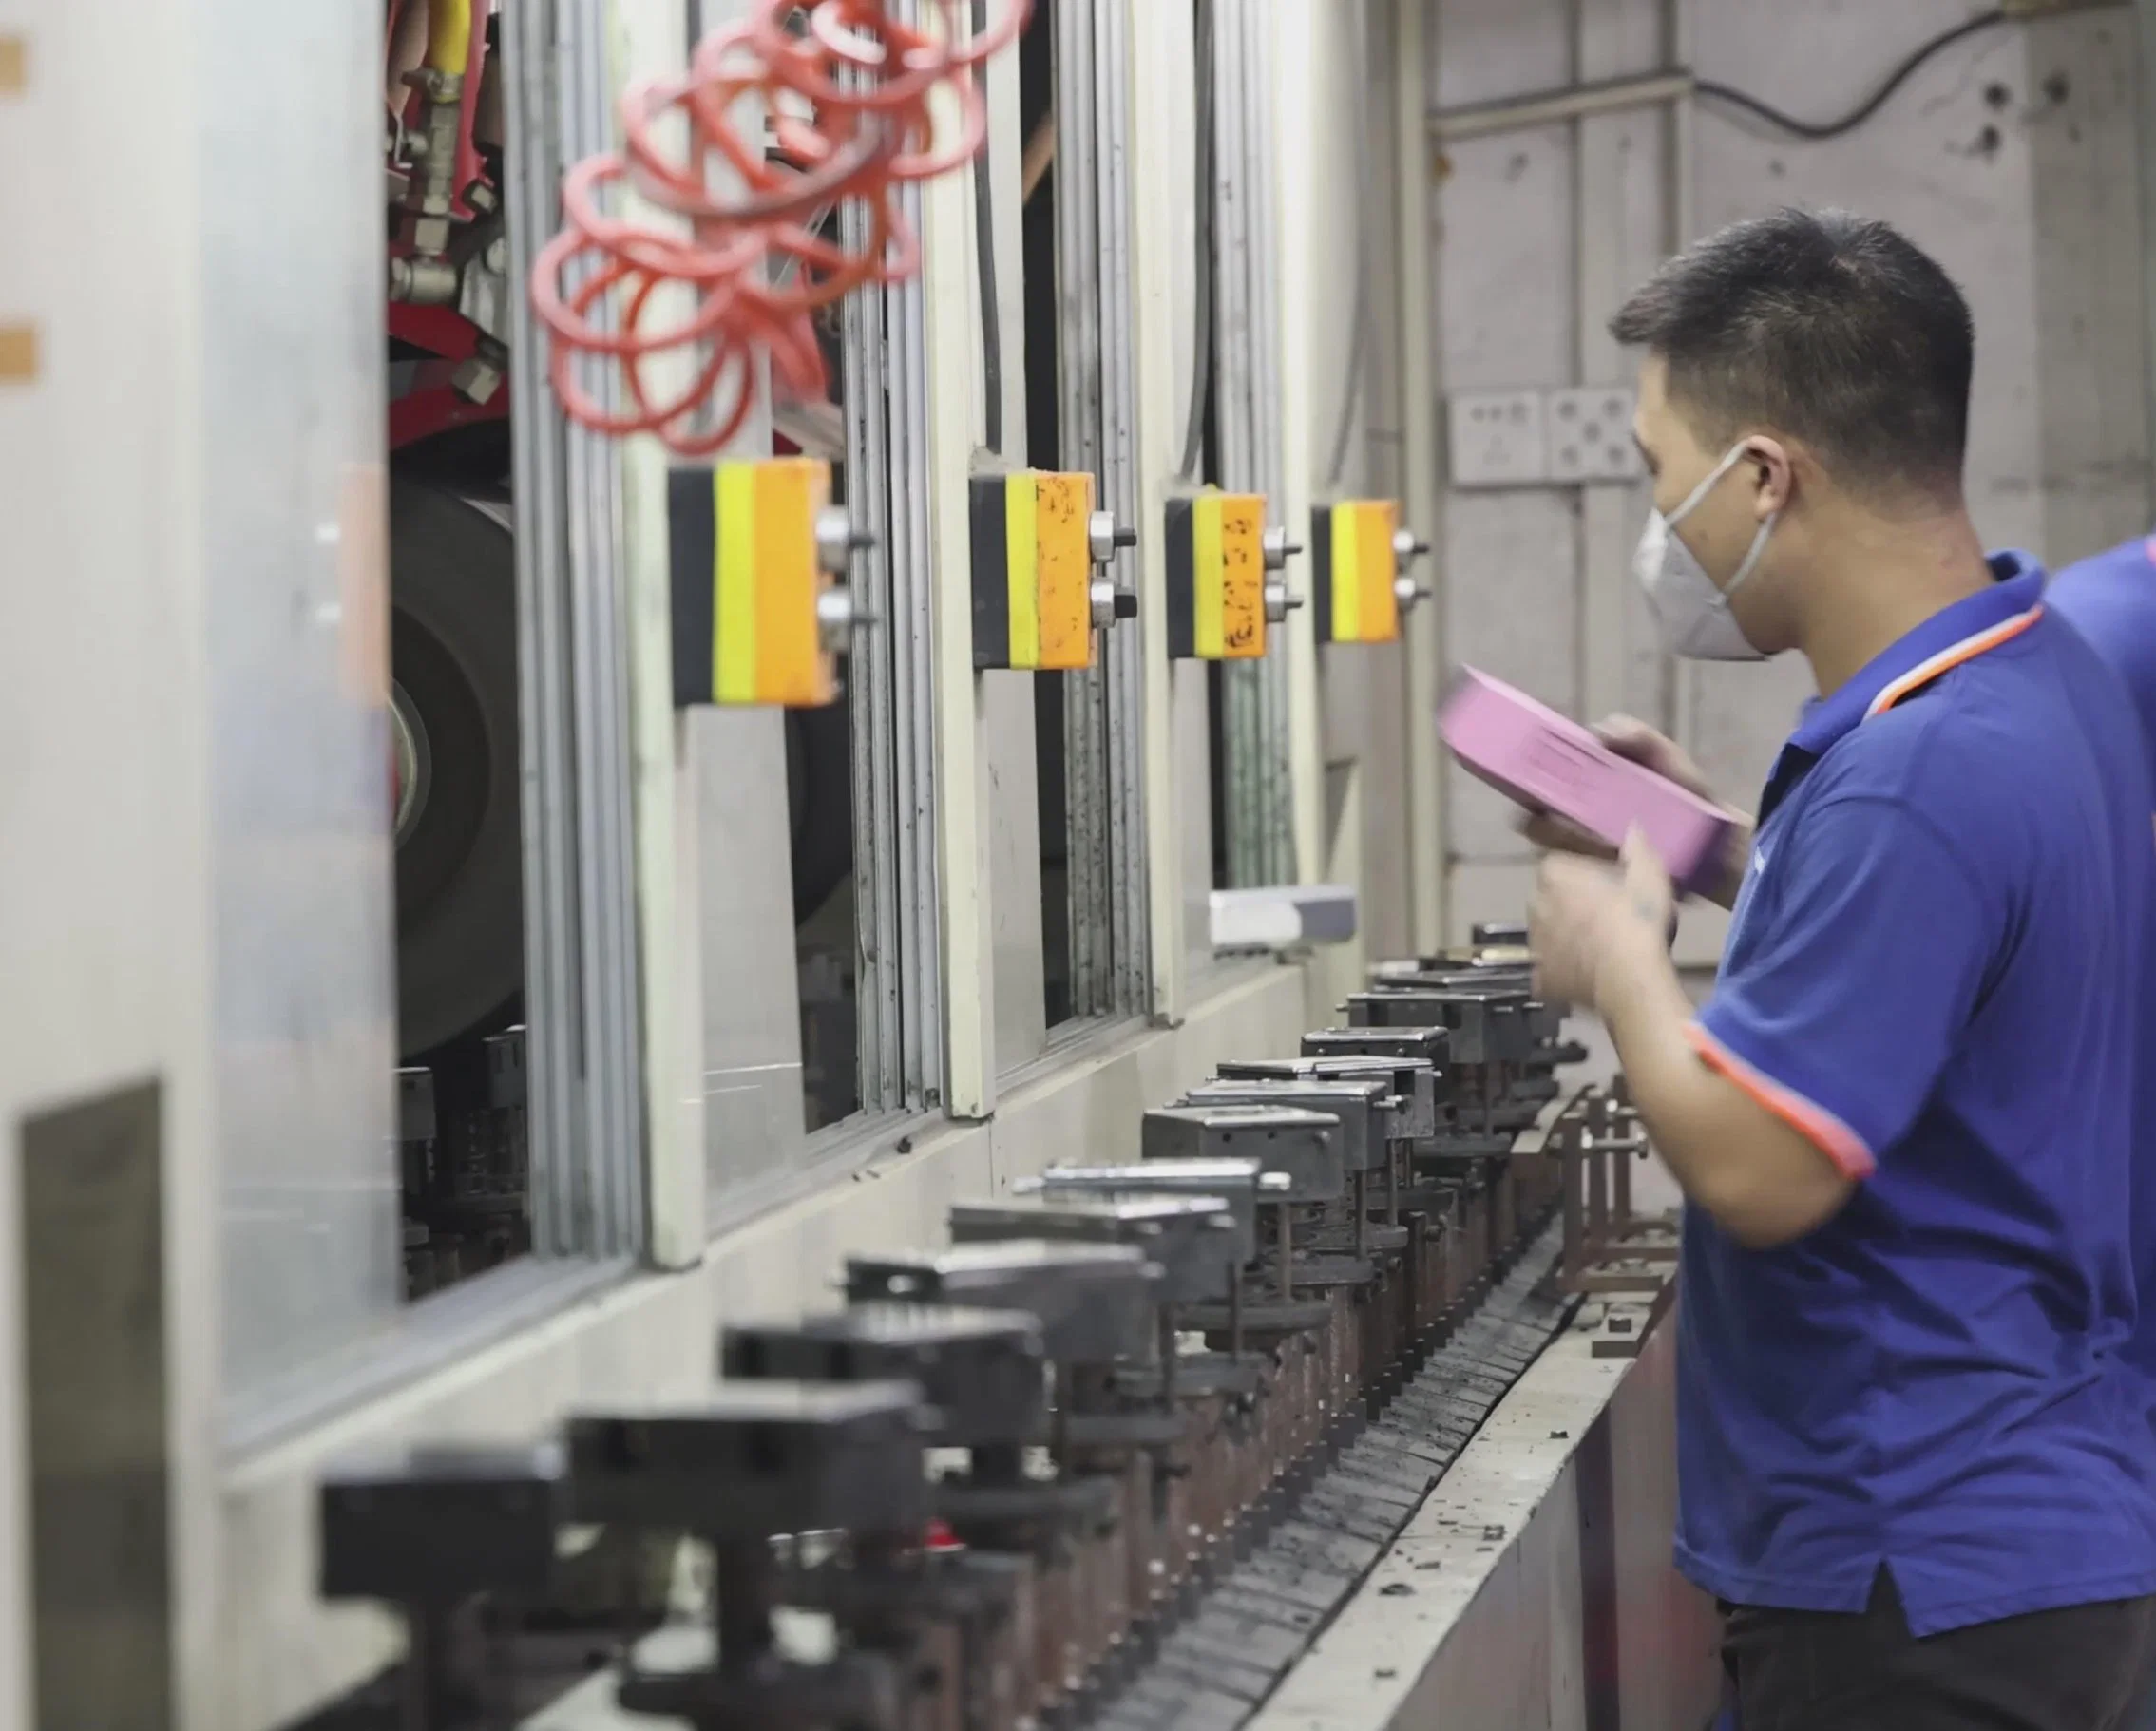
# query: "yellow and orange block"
{"points": [[1355, 582], [1216, 577], [749, 580], [1032, 570]]}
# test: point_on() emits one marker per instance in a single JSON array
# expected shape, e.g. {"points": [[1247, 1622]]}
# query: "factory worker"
{"points": [[1915, 1469], [2110, 599]]}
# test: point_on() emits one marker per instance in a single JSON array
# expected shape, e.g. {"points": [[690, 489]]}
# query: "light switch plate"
{"points": [[1496, 438], [1591, 436]]}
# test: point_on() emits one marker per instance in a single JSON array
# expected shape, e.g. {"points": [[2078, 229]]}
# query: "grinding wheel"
{"points": [[458, 847]]}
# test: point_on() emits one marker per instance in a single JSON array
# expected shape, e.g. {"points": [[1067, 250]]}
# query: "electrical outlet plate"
{"points": [[1591, 436], [1497, 438]]}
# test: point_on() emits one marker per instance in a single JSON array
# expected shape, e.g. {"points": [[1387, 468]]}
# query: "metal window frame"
{"points": [[1103, 706], [582, 992], [1414, 28], [584, 1050], [901, 1037], [1260, 796], [897, 921]]}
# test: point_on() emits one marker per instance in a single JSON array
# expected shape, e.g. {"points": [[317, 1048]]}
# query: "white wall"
{"points": [[2011, 157], [1339, 340], [105, 940]]}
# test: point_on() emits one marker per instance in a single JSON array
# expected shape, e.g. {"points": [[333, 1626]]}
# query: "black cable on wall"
{"points": [[1203, 177], [1818, 130]]}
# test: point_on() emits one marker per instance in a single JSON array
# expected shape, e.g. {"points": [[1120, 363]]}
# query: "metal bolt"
{"points": [[835, 540], [835, 621], [1111, 604], [1405, 548], [1278, 548], [1103, 534], [1407, 591], [1279, 603]]}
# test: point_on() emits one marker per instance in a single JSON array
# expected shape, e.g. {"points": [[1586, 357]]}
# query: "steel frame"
{"points": [[1260, 793], [582, 992], [1103, 707], [1595, 1139]]}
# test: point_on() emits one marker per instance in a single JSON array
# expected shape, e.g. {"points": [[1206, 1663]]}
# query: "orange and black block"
{"points": [[1356, 574], [1216, 577], [1032, 570], [749, 580]]}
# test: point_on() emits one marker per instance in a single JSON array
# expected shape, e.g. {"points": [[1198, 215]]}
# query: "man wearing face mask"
{"points": [[1914, 1467]]}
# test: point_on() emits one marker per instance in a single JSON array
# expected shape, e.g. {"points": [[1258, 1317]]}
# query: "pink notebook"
{"points": [[1550, 763]]}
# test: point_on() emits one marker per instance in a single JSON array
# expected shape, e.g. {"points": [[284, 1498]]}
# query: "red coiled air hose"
{"points": [[868, 81]]}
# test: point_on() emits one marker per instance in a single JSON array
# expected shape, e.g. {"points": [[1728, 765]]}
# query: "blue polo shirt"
{"points": [[2110, 601], [1934, 971]]}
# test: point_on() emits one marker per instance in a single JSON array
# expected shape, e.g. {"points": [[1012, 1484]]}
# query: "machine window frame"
{"points": [[1257, 794], [583, 1049], [899, 1018], [1104, 706], [585, 1058]]}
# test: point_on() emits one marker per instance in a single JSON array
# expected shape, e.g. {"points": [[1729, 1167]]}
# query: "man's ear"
{"points": [[1773, 470]]}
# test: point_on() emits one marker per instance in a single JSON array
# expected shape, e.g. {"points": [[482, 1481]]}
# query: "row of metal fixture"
{"points": [[998, 1471]]}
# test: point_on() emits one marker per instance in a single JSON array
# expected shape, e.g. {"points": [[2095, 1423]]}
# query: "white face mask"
{"points": [[1692, 614]]}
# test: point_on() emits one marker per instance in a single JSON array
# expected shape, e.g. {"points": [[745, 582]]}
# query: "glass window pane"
{"points": [[305, 1015]]}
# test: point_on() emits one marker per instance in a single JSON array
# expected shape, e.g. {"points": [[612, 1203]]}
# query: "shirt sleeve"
{"points": [[1839, 1013]]}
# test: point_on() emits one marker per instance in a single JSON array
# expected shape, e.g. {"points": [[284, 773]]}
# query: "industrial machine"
{"points": [[1114, 1456], [456, 713]]}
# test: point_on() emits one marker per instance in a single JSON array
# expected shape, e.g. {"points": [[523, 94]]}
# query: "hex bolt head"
{"points": [[1104, 535], [837, 618], [835, 540], [1111, 604], [1278, 548]]}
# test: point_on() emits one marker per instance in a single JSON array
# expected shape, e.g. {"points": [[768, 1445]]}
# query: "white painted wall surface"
{"points": [[104, 891]]}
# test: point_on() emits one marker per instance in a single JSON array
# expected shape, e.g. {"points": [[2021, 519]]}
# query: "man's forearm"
{"points": [[1761, 1179]]}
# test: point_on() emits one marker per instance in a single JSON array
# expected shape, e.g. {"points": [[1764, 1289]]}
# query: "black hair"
{"points": [[1832, 328]]}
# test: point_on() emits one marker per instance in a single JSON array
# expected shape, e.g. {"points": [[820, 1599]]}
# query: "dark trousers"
{"points": [[2082, 1668]]}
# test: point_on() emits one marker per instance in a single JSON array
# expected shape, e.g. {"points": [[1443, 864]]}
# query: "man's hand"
{"points": [[1644, 746], [1599, 937], [1585, 912]]}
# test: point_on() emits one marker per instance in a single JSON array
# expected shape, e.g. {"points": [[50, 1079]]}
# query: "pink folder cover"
{"points": [[1550, 763]]}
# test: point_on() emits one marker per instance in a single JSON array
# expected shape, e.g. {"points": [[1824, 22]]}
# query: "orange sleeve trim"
{"points": [[1818, 1126]]}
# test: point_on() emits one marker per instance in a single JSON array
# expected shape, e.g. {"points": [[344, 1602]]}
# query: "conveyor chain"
{"points": [[1212, 1663]]}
